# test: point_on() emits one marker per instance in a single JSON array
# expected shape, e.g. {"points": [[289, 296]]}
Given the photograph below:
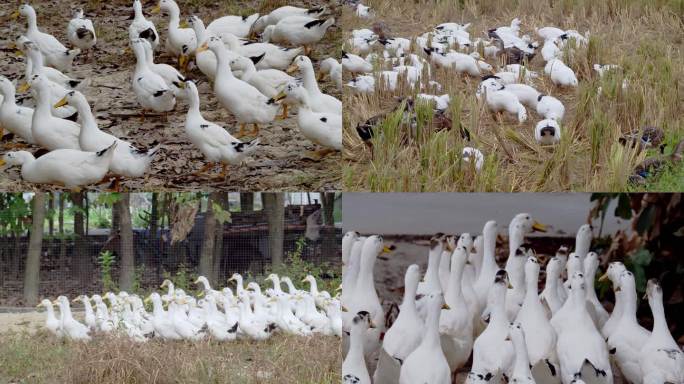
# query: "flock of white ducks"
{"points": [[249, 80], [508, 88], [224, 315], [467, 308]]}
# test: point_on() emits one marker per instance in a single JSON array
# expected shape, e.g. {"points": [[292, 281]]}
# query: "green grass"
{"points": [[41, 358]]}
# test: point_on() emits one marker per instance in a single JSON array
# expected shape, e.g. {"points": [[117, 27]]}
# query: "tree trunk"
{"points": [[274, 209], [86, 214], [328, 202], [32, 273], [206, 261], [218, 245], [154, 217], [51, 208], [246, 202], [80, 259], [127, 257], [60, 223]]}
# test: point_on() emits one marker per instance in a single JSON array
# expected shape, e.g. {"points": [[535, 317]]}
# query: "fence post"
{"points": [[126, 243], [32, 273], [274, 208]]}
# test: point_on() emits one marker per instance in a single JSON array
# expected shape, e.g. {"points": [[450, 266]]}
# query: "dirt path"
{"points": [[279, 164], [31, 321]]}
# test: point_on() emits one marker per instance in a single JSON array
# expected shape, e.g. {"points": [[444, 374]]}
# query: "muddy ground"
{"points": [[279, 164]]}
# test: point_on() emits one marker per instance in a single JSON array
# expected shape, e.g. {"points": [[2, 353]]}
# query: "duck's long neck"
{"points": [[408, 304], [66, 311], [249, 71], [141, 59], [531, 287], [365, 281], [629, 307], [522, 361], [314, 287], [455, 285], [200, 31], [194, 104], [88, 307], [137, 8], [88, 122], [36, 62], [498, 314], [50, 312], [222, 64], [431, 338], [488, 261], [32, 22], [432, 273], [660, 328], [9, 95], [309, 78], [356, 340], [43, 106], [516, 238]]}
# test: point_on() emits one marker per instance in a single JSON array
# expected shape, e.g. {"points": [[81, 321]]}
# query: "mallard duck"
{"points": [[272, 56], [141, 28], [319, 101], [14, 118], [173, 79], [217, 145], [150, 88], [56, 55], [298, 31], [323, 128], [81, 32], [70, 168], [48, 131], [581, 349], [178, 37], [661, 359], [239, 26], [285, 11], [128, 161], [244, 101], [429, 352]]}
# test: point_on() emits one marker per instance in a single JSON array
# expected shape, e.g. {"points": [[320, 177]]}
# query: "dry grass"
{"points": [[644, 37], [41, 358]]}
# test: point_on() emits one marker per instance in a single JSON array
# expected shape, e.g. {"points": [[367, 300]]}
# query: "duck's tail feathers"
{"points": [[148, 152], [246, 147]]}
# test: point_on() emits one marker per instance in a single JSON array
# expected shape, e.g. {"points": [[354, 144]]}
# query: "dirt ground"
{"points": [[29, 322], [279, 163]]}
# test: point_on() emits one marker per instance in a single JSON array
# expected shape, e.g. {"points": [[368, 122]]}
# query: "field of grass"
{"points": [[644, 37], [41, 358]]}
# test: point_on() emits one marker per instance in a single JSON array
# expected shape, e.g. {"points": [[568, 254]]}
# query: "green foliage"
{"points": [[106, 261], [183, 278], [637, 263], [328, 276], [138, 275], [221, 215], [15, 213]]}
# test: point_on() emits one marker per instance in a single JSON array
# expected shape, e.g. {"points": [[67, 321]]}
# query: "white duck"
{"points": [[81, 32], [319, 101], [492, 351], [89, 314], [51, 322], [547, 132], [173, 79], [354, 370], [70, 168], [141, 28], [298, 31], [239, 26], [582, 352], [268, 81], [628, 337], [550, 295], [613, 273], [661, 359], [355, 64], [48, 131], [270, 56], [239, 97], [403, 336], [285, 11], [550, 108], [150, 89], [161, 321], [71, 328], [591, 263], [429, 352], [14, 118], [456, 323], [430, 282], [332, 68], [322, 128], [205, 60], [55, 54], [560, 74], [489, 267], [127, 160], [178, 38], [35, 66], [540, 339], [521, 365], [216, 143]]}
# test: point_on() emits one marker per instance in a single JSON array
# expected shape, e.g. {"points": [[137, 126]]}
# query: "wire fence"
{"points": [[73, 265]]}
